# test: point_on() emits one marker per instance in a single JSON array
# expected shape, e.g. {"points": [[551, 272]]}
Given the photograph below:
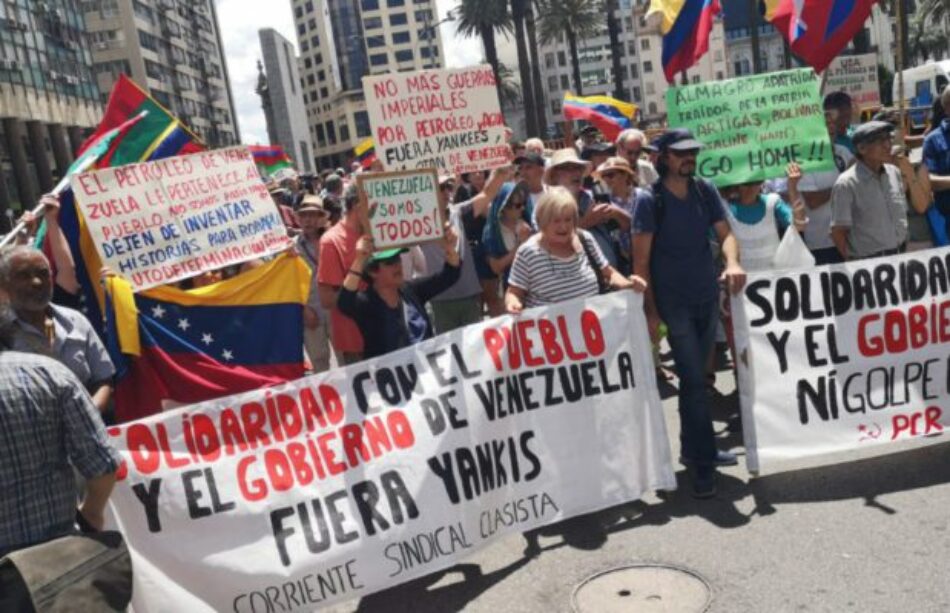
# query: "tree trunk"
{"points": [[575, 61], [536, 81], [613, 30], [491, 55], [524, 67]]}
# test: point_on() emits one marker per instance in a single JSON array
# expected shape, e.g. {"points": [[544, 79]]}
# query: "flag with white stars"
{"points": [[173, 346]]}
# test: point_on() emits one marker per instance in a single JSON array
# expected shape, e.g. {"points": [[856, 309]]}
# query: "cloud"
{"points": [[240, 20]]}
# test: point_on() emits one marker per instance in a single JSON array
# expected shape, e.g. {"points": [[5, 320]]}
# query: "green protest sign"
{"points": [[752, 127]]}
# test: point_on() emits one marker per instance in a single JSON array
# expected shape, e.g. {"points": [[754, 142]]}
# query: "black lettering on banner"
{"points": [[148, 496], [765, 305], [469, 472], [779, 344], [191, 480]]}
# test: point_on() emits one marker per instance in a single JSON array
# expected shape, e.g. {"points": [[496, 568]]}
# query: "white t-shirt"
{"points": [[818, 230]]}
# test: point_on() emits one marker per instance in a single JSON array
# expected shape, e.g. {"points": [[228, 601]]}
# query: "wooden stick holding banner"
{"points": [[402, 208], [901, 103]]}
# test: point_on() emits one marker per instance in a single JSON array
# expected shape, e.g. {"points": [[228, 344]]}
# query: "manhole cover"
{"points": [[650, 588]]}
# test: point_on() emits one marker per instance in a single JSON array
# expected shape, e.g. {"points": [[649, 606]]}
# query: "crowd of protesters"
{"points": [[557, 225]]}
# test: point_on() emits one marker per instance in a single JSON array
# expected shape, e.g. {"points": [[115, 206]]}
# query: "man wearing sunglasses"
{"points": [[672, 257]]}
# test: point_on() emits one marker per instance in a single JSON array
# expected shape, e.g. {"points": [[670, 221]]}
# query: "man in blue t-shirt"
{"points": [[672, 257], [937, 159]]}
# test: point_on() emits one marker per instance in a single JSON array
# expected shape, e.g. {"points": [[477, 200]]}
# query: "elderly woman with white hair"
{"points": [[561, 262]]}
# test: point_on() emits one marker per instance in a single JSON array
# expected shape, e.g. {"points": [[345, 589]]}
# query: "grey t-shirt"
{"points": [[468, 285], [873, 206]]}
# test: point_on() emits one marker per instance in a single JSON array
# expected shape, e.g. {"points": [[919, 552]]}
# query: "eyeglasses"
{"points": [[685, 153]]}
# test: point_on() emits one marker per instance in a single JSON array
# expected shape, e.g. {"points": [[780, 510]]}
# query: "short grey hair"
{"points": [[553, 203], [631, 134], [8, 255], [534, 144]]}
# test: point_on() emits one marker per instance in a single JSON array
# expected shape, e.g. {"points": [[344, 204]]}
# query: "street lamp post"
{"points": [[430, 33]]}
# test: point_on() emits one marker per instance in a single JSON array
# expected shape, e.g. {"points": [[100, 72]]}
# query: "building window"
{"points": [[647, 67], [324, 92], [298, 12], [344, 132], [372, 23], [555, 107], [565, 82], [395, 3], [628, 23], [304, 46], [315, 41], [636, 94], [331, 133], [651, 88], [312, 24], [400, 38], [379, 59], [361, 119], [634, 71], [309, 7], [404, 55], [311, 80], [549, 60], [307, 62], [370, 5], [695, 78], [552, 83], [398, 19], [321, 136], [652, 108], [423, 16], [322, 76], [561, 59], [631, 47], [373, 42], [645, 44]]}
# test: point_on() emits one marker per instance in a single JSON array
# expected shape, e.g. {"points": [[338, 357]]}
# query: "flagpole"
{"points": [[901, 105], [63, 184]]}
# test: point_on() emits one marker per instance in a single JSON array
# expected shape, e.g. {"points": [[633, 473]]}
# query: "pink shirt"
{"points": [[337, 252]]}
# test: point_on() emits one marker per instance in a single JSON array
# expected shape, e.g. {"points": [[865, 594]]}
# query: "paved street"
{"points": [[866, 535]]}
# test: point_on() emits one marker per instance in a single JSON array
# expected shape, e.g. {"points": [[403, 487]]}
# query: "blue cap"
{"points": [[679, 139]]}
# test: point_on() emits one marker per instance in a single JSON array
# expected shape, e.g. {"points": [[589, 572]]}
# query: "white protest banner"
{"points": [[338, 485], [855, 75], [159, 222], [445, 119], [837, 358], [402, 207]]}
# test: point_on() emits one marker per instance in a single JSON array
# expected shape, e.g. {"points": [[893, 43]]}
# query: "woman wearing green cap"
{"points": [[391, 312]]}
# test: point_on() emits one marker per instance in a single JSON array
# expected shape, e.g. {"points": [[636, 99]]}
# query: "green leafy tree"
{"points": [[483, 19]]}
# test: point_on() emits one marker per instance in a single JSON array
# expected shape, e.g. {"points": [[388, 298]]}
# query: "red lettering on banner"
{"points": [[251, 490], [555, 340], [900, 332], [910, 424]]}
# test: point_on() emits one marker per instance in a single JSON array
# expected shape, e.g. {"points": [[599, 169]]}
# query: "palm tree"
{"points": [[536, 81], [509, 92], [483, 18], [518, 9], [616, 51], [575, 19]]}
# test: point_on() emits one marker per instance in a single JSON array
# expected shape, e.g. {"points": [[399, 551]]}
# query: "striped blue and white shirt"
{"points": [[549, 279], [47, 422]]}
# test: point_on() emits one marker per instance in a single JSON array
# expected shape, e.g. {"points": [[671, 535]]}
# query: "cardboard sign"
{"points": [[159, 222], [338, 485], [842, 357], [752, 127], [445, 119], [855, 75], [402, 207]]}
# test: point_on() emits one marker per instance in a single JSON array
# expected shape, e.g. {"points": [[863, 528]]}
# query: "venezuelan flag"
{"points": [[609, 115], [686, 26], [365, 152], [818, 30], [173, 347], [155, 135], [270, 160]]}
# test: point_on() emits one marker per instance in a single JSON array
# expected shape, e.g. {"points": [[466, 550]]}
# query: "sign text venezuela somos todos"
{"points": [[402, 207], [840, 357], [159, 222], [342, 484]]}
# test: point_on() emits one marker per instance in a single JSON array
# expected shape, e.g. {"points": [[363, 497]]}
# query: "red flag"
{"points": [[817, 30]]}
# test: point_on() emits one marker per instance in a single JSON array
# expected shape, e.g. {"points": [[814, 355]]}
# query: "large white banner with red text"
{"points": [[339, 485], [836, 358]]}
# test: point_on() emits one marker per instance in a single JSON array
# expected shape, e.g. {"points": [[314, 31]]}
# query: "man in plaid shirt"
{"points": [[47, 422]]}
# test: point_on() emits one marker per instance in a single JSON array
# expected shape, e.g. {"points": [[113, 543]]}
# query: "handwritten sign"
{"points": [[402, 207], [839, 358], [444, 119], [752, 127], [855, 75], [341, 484], [159, 222]]}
